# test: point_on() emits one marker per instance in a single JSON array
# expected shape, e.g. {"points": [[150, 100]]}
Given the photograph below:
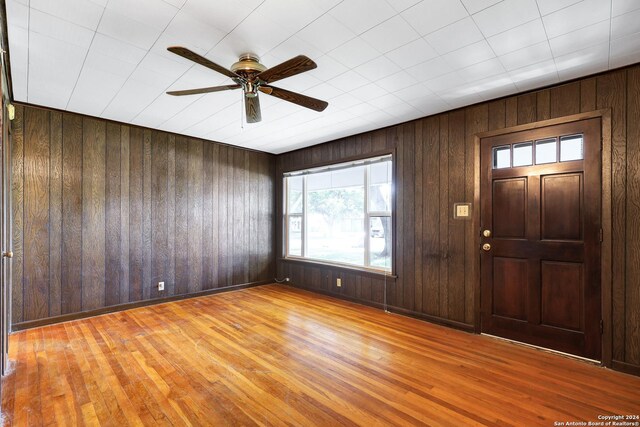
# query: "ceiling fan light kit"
{"points": [[251, 76]]}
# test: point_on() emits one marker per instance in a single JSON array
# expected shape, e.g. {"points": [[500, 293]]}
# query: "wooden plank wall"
{"points": [[435, 168], [103, 212]]}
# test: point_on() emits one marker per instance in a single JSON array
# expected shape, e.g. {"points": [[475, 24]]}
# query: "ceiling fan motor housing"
{"points": [[247, 67]]}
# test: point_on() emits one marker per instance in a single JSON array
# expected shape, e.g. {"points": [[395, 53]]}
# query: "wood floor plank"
{"points": [[276, 355]]}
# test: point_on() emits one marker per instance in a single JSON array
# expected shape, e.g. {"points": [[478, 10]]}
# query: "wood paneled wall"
{"points": [[102, 212], [435, 168]]}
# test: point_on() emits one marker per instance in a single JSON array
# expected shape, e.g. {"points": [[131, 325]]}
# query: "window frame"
{"points": [[304, 171]]}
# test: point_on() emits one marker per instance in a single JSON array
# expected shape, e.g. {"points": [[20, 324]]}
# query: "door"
{"points": [[540, 225]]}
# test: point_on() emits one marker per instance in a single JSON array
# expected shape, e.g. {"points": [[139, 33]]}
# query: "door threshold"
{"points": [[548, 350]]}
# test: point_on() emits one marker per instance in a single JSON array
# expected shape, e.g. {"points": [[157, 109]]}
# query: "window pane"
{"points": [[380, 187], [502, 157], [294, 185], [571, 148], [295, 235], [546, 151], [523, 154], [380, 242], [335, 216]]}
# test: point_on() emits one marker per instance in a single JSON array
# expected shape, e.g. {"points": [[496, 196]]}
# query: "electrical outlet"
{"points": [[160, 286], [339, 282]]}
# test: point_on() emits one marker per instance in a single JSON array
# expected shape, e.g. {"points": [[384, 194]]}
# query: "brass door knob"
{"points": [[7, 254], [486, 247], [486, 233]]}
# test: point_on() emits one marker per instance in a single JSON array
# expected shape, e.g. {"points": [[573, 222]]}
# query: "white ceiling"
{"points": [[379, 62]]}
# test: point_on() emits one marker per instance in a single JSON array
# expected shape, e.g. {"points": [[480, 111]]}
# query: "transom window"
{"points": [[341, 213], [541, 151]]}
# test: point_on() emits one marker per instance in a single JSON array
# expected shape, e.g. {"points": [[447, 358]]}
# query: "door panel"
{"points": [[562, 294], [540, 201], [562, 207], [509, 198], [510, 287]]}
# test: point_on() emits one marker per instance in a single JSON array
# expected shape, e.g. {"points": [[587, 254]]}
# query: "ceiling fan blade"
{"points": [[203, 90], [296, 98], [289, 68], [252, 109], [192, 56]]}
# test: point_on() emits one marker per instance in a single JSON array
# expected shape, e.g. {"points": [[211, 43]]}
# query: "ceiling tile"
{"points": [[580, 39], [222, 14], [328, 68], [618, 7], [185, 30], [494, 86], [397, 81], [625, 25], [117, 49], [368, 92], [624, 51], [326, 33], [80, 12], [348, 81], [469, 55], [415, 91], [99, 61], [474, 6], [379, 35], [94, 90], [299, 13], [506, 15], [445, 83], [19, 47], [59, 29], [401, 5], [430, 69], [527, 56], [154, 13], [17, 14], [291, 47], [482, 70], [123, 28], [583, 62], [429, 16], [257, 34], [412, 53], [354, 52], [550, 6], [385, 102], [378, 68], [54, 67], [519, 37], [454, 36], [542, 71], [579, 15], [361, 15]]}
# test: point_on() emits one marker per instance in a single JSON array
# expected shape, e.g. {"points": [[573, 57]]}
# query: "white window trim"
{"points": [[367, 215]]}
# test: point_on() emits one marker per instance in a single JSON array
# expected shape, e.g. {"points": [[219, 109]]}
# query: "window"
{"points": [[341, 213], [546, 151]]}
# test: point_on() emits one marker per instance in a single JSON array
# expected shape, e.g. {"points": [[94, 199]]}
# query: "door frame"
{"points": [[605, 255]]}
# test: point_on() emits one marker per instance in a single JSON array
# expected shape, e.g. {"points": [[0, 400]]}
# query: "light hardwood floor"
{"points": [[274, 355]]}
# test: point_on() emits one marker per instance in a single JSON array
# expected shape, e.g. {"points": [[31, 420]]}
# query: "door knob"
{"points": [[486, 247], [7, 254], [486, 233]]}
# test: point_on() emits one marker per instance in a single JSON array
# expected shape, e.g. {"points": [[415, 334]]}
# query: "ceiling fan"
{"points": [[251, 76]]}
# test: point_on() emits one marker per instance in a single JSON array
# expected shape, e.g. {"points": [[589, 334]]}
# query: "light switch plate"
{"points": [[462, 210]]}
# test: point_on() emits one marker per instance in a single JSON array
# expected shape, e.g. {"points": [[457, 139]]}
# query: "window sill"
{"points": [[377, 274]]}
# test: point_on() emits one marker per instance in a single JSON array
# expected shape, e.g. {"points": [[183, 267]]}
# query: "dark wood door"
{"points": [[540, 216]]}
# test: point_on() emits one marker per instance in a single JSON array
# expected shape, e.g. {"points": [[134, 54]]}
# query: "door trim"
{"points": [[606, 248]]}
